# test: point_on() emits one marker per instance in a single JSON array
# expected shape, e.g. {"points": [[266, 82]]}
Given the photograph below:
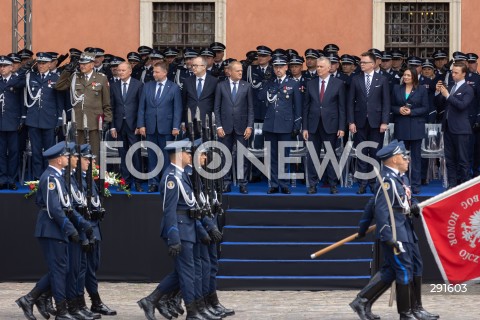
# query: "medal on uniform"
{"points": [[51, 186], [170, 184]]}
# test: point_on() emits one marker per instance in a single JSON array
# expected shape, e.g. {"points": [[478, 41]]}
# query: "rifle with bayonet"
{"points": [[195, 176], [83, 209], [217, 183], [89, 177], [67, 177], [207, 183], [101, 180]]}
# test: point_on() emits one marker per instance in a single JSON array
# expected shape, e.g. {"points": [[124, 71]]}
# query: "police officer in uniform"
{"points": [[12, 113], [311, 56], [404, 208], [184, 71], [54, 231], [44, 110], [219, 50], [283, 118], [178, 231]]}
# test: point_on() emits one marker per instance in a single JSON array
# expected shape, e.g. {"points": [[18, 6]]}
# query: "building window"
{"points": [[183, 24], [417, 28]]}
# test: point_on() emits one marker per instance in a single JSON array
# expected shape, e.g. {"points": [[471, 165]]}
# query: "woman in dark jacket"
{"points": [[410, 106]]}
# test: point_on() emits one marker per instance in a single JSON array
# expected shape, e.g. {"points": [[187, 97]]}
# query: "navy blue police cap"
{"points": [[217, 46], [264, 50], [86, 151], [115, 61], [386, 55], [156, 54], [226, 62], [25, 54], [179, 146], [44, 57], [190, 53], [333, 57], [5, 60], [440, 54], [134, 57], [56, 151], [393, 148], [331, 48], [414, 61], [397, 54], [347, 59], [207, 52], [312, 53], [74, 52], [427, 63], [472, 57], [459, 56], [377, 53], [54, 55], [144, 50], [15, 57], [279, 61], [170, 52], [295, 59], [292, 52]]}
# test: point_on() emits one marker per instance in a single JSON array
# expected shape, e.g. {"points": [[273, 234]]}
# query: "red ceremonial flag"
{"points": [[452, 224]]}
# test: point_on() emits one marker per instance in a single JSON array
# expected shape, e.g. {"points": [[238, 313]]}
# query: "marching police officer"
{"points": [[178, 231], [282, 119], [12, 120], [44, 110], [54, 231]]}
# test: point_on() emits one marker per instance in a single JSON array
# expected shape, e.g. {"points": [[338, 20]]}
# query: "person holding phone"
{"points": [[410, 106]]}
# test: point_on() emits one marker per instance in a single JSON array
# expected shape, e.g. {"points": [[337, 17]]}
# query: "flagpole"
{"points": [[448, 193]]}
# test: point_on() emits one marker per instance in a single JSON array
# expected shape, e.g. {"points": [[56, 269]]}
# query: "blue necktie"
{"points": [[199, 87], [159, 92], [234, 91]]}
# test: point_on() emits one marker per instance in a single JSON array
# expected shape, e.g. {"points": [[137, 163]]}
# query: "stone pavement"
{"points": [[263, 304]]}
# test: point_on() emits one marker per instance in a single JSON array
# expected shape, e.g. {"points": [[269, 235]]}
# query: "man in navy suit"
{"points": [[368, 112], [234, 115], [324, 117], [159, 116], [199, 90], [11, 121], [456, 125], [125, 99], [44, 110]]}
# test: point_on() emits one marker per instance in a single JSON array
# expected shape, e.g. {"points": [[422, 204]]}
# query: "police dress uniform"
{"points": [[178, 229], [11, 112], [44, 112], [54, 231], [282, 119]]}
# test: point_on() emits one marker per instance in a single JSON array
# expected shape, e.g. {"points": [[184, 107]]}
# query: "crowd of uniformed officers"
{"points": [[147, 97]]}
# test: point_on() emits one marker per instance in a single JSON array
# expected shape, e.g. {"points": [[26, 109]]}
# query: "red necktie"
{"points": [[322, 90]]}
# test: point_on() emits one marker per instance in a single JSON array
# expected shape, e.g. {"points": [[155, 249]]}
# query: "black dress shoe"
{"points": [[272, 190], [138, 187], [312, 190], [152, 188], [333, 190], [227, 189], [243, 189], [424, 182], [12, 186], [286, 190], [3, 186], [362, 189]]}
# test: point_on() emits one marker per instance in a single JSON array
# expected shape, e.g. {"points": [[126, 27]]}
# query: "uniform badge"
{"points": [[170, 184], [51, 186], [386, 185]]}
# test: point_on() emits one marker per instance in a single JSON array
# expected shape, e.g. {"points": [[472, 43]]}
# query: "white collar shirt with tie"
{"points": [[320, 83], [202, 82], [87, 76], [232, 82], [455, 87]]}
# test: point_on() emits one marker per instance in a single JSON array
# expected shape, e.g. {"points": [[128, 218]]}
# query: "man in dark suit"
{"points": [[11, 122], [199, 91], [324, 117], [455, 124], [125, 99], [234, 116], [368, 112], [159, 116]]}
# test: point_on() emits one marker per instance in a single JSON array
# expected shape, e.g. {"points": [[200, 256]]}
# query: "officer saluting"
{"points": [[177, 230], [54, 231]]}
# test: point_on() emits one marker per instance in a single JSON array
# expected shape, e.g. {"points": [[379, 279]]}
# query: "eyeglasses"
{"points": [[197, 65], [365, 62]]}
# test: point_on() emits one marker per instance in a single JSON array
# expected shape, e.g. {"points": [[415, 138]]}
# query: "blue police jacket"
{"points": [[11, 102]]}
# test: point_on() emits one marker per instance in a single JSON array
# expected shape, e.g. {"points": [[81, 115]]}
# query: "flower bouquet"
{"points": [[111, 179], [32, 186]]}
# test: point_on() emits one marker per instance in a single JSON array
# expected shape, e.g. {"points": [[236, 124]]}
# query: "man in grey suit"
{"points": [[234, 115], [159, 116], [125, 99], [324, 117]]}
